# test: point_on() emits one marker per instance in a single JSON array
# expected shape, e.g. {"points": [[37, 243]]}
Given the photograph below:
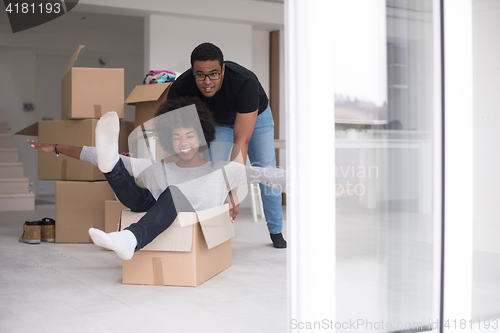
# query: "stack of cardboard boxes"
{"points": [[81, 189]]}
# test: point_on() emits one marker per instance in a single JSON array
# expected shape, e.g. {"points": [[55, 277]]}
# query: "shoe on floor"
{"points": [[31, 232], [48, 230], [278, 241]]}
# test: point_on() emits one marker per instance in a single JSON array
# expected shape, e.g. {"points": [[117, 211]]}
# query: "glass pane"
{"points": [[486, 259], [384, 153]]}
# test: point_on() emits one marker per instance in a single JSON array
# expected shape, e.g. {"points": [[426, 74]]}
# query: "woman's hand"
{"points": [[45, 147], [70, 151]]}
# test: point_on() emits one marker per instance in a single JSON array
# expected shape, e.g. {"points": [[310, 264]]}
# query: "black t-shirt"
{"points": [[241, 92]]}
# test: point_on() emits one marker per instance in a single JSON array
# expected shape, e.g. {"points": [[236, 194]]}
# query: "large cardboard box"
{"points": [[74, 133], [79, 207], [147, 99], [193, 249], [91, 92], [112, 212]]}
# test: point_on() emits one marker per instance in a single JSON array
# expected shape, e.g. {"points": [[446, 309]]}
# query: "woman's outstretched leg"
{"points": [[122, 242], [136, 198], [106, 141], [161, 216]]}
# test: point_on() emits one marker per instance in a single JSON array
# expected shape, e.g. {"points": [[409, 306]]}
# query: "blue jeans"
{"points": [[160, 214], [261, 154]]}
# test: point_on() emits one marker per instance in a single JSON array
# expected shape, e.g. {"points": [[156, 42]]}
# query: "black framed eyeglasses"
{"points": [[212, 76]]}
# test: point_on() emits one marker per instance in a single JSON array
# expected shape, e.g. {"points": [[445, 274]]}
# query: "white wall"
{"points": [[267, 15], [486, 43], [170, 41], [261, 57], [121, 48]]}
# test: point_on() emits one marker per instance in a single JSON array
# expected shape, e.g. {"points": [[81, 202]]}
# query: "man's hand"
{"points": [[234, 205], [233, 212], [242, 132]]}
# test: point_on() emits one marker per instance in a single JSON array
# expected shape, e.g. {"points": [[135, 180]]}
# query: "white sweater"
{"points": [[205, 187]]}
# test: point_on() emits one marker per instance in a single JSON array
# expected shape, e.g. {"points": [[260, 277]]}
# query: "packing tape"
{"points": [[97, 111], [157, 271]]}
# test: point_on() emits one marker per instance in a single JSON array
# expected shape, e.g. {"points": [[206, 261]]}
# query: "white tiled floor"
{"points": [[77, 288]]}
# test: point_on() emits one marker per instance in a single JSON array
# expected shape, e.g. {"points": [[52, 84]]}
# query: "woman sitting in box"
{"points": [[184, 128]]}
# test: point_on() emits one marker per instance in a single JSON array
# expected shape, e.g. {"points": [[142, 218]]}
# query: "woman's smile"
{"points": [[186, 144], [185, 150]]}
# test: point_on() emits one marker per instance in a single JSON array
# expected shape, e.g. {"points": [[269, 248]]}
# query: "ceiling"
{"points": [[95, 21], [83, 20]]}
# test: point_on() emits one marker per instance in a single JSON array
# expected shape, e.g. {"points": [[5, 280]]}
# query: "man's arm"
{"points": [[242, 132], [243, 129]]}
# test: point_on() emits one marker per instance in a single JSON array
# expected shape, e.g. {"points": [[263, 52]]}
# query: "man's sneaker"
{"points": [[278, 241], [48, 230], [31, 232]]}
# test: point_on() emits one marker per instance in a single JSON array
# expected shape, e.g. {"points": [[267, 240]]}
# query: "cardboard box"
{"points": [[74, 133], [193, 249], [112, 212], [91, 92], [147, 99], [79, 207]]}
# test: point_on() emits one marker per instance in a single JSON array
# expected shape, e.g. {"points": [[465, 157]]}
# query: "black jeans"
{"points": [[160, 214]]}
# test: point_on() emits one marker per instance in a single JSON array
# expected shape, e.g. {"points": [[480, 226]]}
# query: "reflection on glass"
{"points": [[384, 143]]}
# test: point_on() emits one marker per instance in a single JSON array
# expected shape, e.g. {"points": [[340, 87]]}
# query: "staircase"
{"points": [[14, 189]]}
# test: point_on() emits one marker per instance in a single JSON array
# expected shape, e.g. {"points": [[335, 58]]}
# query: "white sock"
{"points": [[106, 141], [122, 242]]}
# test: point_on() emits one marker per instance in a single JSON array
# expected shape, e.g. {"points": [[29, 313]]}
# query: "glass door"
{"points": [[369, 258], [388, 134]]}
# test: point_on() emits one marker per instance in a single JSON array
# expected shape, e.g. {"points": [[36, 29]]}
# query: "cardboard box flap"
{"points": [[73, 59], [31, 130], [216, 225], [147, 93], [175, 238], [186, 219]]}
